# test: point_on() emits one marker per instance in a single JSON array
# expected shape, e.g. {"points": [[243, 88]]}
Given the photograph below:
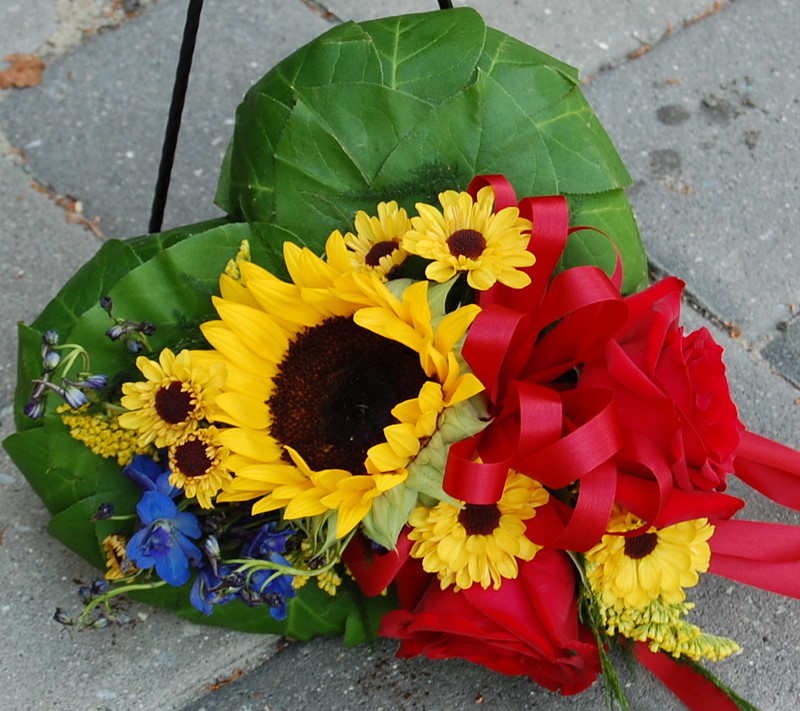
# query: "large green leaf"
{"points": [[405, 107]]}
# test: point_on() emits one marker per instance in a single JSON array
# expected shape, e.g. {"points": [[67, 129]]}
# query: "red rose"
{"points": [[673, 399], [529, 626]]}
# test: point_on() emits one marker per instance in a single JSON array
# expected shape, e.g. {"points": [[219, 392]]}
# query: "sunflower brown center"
{"points": [[378, 251], [640, 546], [479, 519], [466, 243], [173, 404], [191, 458], [335, 390]]}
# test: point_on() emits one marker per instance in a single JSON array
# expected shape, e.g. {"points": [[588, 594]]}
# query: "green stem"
{"points": [[113, 592]]}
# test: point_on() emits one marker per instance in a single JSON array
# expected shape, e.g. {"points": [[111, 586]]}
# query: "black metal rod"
{"points": [[445, 5], [175, 113]]}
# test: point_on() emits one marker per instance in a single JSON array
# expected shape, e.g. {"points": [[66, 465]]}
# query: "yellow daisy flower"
{"points": [[466, 235], [331, 383], [376, 245], [659, 563], [195, 464], [117, 563], [478, 543], [175, 396]]}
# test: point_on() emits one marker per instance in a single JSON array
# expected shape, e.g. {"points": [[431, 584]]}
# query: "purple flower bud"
{"points": [[73, 396], [134, 346], [95, 382], [50, 360], [106, 304], [50, 338], [117, 331], [104, 512], [34, 408], [147, 328], [100, 586], [85, 593], [62, 617]]}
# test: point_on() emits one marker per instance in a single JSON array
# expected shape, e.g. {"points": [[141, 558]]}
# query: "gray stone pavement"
{"points": [[707, 122]]}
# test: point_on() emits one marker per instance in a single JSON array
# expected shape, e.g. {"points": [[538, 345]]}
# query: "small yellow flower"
{"points": [[102, 434], [196, 464], [659, 563], [663, 628], [117, 563], [466, 235], [478, 543], [376, 245], [176, 395]]}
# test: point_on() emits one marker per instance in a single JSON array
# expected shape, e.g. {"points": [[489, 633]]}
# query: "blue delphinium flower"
{"points": [[150, 475], [163, 541], [215, 585], [268, 540], [266, 587]]}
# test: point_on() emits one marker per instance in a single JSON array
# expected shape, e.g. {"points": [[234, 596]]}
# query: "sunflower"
{"points": [[632, 571], [195, 464], [376, 245], [333, 383], [175, 396], [466, 235], [478, 543]]}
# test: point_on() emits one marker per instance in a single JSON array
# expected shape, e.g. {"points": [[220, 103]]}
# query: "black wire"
{"points": [[445, 5], [175, 112]]}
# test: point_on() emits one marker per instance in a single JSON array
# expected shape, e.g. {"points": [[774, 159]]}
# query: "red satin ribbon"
{"points": [[521, 342], [769, 467], [764, 555], [694, 690]]}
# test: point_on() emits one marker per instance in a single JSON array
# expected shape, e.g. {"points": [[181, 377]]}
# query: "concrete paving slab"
{"points": [[25, 25], [42, 665], [105, 147], [590, 36], [709, 127]]}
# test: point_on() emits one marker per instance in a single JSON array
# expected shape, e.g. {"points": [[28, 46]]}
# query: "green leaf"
{"points": [[610, 213], [406, 107], [415, 60]]}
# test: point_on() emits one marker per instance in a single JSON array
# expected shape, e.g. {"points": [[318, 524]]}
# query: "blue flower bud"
{"points": [[104, 512], [34, 408], [117, 331], [134, 346], [147, 328], [62, 617], [95, 382], [73, 396], [50, 338], [106, 303], [50, 360]]}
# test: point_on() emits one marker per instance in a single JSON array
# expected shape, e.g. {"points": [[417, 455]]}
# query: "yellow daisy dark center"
{"points": [[191, 458], [378, 251], [640, 546], [466, 243], [335, 389], [173, 404], [479, 519]]}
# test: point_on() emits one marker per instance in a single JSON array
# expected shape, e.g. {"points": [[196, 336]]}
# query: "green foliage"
{"points": [[405, 107]]}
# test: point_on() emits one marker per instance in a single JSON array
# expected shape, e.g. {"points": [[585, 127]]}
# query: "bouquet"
{"points": [[386, 396]]}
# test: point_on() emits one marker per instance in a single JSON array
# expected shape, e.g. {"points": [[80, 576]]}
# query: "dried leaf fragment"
{"points": [[25, 71]]}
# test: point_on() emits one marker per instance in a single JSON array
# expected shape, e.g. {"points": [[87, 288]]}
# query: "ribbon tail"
{"points": [[764, 555], [695, 691], [770, 468]]}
